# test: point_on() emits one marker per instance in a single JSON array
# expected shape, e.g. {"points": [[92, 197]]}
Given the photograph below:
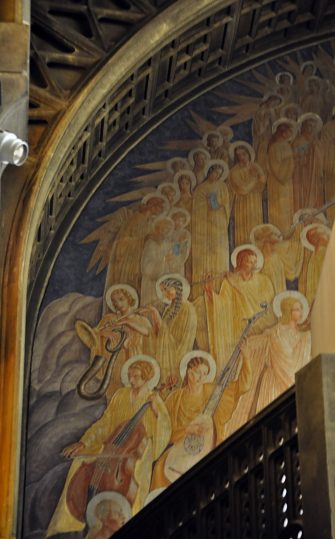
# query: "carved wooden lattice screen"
{"points": [[248, 488]]}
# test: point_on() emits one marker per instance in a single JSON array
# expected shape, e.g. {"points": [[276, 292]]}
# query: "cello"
{"points": [[112, 469]]}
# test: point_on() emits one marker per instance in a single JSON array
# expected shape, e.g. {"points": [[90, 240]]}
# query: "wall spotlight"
{"points": [[12, 149]]}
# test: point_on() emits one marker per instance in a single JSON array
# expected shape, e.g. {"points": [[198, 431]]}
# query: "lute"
{"points": [[193, 447]]}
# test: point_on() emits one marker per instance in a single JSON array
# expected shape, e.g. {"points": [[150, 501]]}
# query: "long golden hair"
{"points": [[286, 306]]}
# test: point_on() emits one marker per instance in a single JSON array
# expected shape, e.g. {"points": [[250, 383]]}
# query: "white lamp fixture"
{"points": [[13, 150]]}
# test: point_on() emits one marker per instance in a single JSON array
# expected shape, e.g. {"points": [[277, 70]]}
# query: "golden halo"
{"points": [[216, 133], [196, 150], [285, 121], [222, 164], [141, 357], [306, 229], [160, 219], [183, 211], [290, 106], [245, 145], [287, 73], [198, 353], [156, 195], [173, 160], [177, 276], [107, 495], [308, 63], [188, 173], [264, 226], [226, 130], [252, 247], [290, 294], [313, 77], [272, 94], [131, 291], [174, 186], [310, 116]]}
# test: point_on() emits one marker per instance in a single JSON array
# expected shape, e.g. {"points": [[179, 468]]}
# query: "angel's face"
{"points": [[310, 127], [242, 156], [296, 312], [178, 165], [292, 114], [179, 221], [120, 301], [213, 142], [308, 70], [285, 79], [163, 230], [135, 378], [169, 193], [286, 131], [199, 159], [197, 374], [155, 205], [169, 292], [184, 184]]}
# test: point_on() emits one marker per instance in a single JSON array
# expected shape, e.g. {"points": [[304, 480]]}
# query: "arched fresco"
{"points": [[179, 305]]}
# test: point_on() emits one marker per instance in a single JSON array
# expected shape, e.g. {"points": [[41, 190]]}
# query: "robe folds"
{"points": [[184, 407], [121, 409], [247, 184], [210, 219], [227, 311], [280, 185], [275, 355]]}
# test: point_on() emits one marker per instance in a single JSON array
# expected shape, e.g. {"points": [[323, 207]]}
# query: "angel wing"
{"points": [[263, 83], [243, 109], [325, 64], [132, 196], [105, 236], [200, 125]]}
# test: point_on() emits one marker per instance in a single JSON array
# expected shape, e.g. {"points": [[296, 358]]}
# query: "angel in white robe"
{"points": [[275, 356]]}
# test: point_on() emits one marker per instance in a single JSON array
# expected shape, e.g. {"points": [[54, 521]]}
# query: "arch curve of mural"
{"points": [[179, 305]]}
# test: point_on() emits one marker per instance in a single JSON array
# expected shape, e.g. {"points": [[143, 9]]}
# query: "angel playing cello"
{"points": [[116, 453]]}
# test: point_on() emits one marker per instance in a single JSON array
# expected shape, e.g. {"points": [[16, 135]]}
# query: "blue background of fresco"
{"points": [[69, 273]]}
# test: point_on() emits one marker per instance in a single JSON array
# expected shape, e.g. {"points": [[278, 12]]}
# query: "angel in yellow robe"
{"points": [[247, 181], [281, 167], [210, 219], [308, 187], [140, 375], [186, 182], [177, 331], [275, 356], [241, 293], [121, 240], [263, 120], [283, 258], [186, 404], [122, 301]]}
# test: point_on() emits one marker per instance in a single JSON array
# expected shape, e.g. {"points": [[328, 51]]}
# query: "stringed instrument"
{"points": [[112, 469], [195, 446]]}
